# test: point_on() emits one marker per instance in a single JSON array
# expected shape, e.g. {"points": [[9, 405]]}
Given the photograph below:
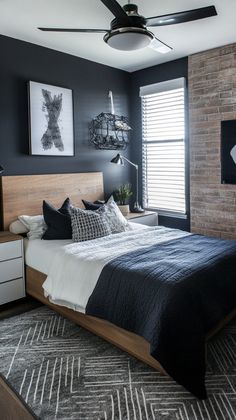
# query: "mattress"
{"points": [[39, 253]]}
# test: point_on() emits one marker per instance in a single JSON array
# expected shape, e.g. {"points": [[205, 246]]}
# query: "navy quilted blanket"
{"points": [[172, 294]]}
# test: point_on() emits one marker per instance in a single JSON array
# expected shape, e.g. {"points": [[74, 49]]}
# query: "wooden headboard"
{"points": [[24, 194]]}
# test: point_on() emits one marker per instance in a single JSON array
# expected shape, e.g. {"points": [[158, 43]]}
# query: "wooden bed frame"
{"points": [[24, 195]]}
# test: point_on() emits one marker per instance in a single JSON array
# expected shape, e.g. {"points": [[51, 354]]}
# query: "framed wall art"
{"points": [[51, 120], [228, 152]]}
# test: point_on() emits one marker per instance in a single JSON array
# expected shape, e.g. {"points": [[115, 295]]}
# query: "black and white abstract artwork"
{"points": [[228, 152], [51, 120]]}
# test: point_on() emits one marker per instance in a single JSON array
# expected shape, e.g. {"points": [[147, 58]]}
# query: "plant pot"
{"points": [[124, 209]]}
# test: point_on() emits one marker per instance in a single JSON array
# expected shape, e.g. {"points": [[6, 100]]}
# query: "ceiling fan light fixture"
{"points": [[129, 39]]}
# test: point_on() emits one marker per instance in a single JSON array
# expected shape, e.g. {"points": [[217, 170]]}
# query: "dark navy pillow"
{"points": [[58, 221], [93, 206]]}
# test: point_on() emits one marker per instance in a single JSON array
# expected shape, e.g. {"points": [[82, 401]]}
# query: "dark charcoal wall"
{"points": [[160, 73], [90, 82]]}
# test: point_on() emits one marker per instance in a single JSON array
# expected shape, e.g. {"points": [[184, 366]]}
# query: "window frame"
{"points": [[155, 88]]}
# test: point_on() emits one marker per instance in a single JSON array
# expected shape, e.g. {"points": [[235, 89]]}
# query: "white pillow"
{"points": [[114, 217], [17, 227], [35, 225]]}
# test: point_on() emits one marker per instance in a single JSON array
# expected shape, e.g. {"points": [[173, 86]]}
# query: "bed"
{"points": [[24, 195]]}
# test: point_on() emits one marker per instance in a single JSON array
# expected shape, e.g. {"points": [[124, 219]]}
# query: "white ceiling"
{"points": [[20, 19]]}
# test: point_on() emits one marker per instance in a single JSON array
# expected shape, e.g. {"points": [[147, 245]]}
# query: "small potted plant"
{"points": [[122, 195]]}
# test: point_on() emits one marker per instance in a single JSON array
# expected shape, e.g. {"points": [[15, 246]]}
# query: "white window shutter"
{"points": [[163, 129]]}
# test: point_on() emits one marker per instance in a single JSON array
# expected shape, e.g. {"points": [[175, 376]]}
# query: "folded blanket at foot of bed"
{"points": [[172, 294]]}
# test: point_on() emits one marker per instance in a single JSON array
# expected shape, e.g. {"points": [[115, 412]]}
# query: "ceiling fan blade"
{"points": [[116, 9], [181, 17], [159, 46], [73, 30]]}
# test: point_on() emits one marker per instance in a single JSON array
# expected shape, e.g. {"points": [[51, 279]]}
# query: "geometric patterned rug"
{"points": [[64, 372]]}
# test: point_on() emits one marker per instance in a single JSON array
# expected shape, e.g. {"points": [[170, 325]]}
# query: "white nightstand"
{"points": [[149, 218], [12, 279]]}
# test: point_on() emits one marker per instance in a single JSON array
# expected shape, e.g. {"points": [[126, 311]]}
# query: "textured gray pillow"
{"points": [[87, 225], [114, 217]]}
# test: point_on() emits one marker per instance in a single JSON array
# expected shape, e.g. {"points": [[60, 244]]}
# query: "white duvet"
{"points": [[76, 267]]}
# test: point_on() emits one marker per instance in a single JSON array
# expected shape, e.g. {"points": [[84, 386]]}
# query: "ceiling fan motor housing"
{"points": [[135, 21]]}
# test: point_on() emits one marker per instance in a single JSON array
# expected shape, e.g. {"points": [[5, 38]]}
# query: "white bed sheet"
{"points": [[39, 253]]}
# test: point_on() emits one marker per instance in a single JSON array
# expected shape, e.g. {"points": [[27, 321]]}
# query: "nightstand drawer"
{"points": [[9, 250], [10, 270], [12, 290]]}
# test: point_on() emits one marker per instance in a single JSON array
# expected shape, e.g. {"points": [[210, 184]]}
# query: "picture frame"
{"points": [[51, 121], [228, 152]]}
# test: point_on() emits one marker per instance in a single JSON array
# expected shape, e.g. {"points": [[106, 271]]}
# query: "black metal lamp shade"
{"points": [[118, 160], [1, 169]]}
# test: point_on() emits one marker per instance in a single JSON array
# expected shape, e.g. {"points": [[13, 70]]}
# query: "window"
{"points": [[163, 129]]}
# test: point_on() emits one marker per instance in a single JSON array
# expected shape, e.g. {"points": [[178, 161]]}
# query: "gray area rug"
{"points": [[63, 372]]}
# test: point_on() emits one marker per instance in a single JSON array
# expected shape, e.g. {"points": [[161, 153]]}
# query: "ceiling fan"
{"points": [[128, 31]]}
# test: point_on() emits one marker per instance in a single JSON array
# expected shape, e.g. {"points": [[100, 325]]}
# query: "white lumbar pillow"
{"points": [[35, 225], [17, 227]]}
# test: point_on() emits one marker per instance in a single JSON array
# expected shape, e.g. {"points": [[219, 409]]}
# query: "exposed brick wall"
{"points": [[212, 98]]}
